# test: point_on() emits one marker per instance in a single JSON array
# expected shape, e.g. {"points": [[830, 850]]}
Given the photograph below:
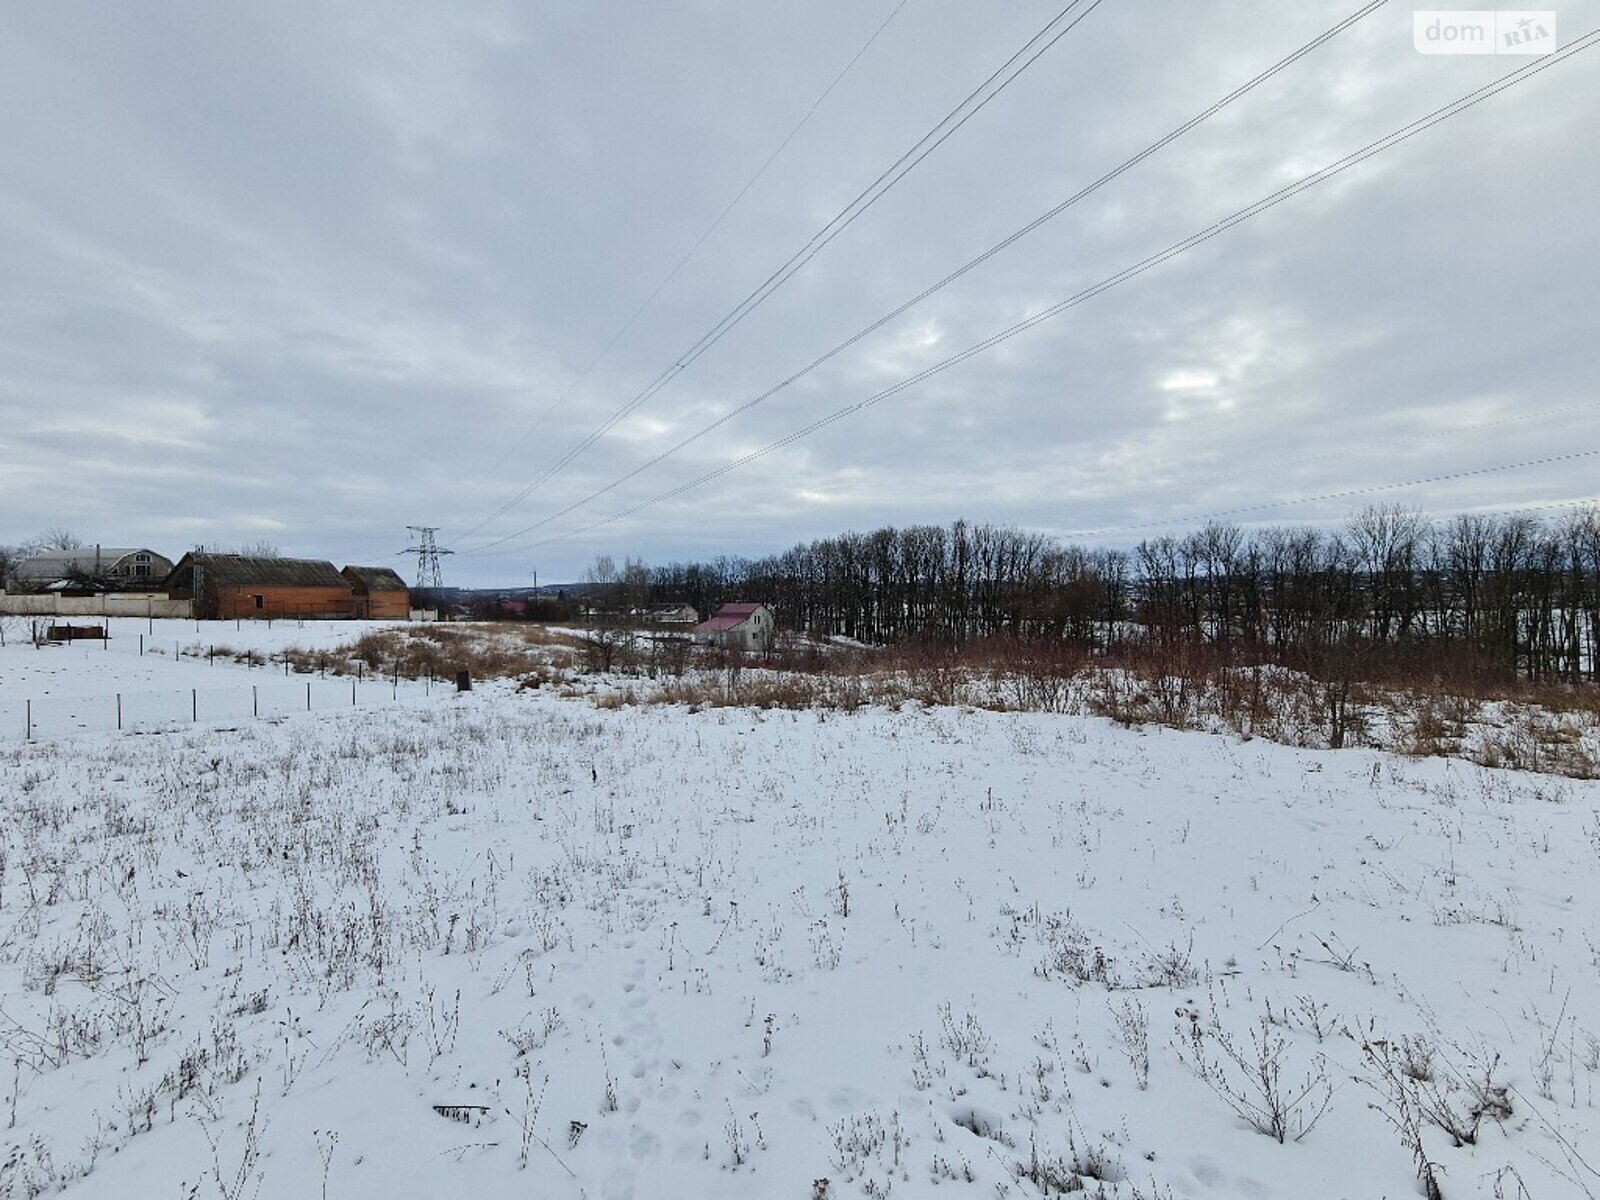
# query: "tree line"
{"points": [[1509, 595]]}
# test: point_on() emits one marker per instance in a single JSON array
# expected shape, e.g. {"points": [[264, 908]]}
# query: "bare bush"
{"points": [[1249, 1077], [1071, 953], [1132, 1024]]}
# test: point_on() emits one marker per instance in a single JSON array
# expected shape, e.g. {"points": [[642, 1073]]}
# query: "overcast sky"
{"points": [[313, 272]]}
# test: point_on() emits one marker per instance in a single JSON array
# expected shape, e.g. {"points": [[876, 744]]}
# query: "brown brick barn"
{"points": [[380, 593], [231, 586]]}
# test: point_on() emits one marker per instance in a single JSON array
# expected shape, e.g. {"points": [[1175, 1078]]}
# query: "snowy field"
{"points": [[169, 672], [504, 944]]}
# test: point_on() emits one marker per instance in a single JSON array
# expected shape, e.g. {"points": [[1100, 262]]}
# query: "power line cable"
{"points": [[672, 274], [1389, 141], [1019, 62], [901, 309], [1345, 494], [1443, 514], [1289, 464], [1279, 466], [1545, 506]]}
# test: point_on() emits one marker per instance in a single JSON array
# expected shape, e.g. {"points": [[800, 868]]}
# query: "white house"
{"points": [[738, 627], [92, 568]]}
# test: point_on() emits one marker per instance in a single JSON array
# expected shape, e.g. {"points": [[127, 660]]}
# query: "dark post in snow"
{"points": [[463, 681]]}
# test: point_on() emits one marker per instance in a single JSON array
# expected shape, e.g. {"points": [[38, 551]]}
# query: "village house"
{"points": [[379, 593], [738, 627], [669, 614], [231, 586], [91, 569]]}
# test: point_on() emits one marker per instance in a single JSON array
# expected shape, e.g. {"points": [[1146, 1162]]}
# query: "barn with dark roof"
{"points": [[230, 586], [380, 594]]}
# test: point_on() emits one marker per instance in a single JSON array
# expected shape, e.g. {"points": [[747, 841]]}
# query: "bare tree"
{"points": [[607, 644], [1392, 595], [1388, 541], [54, 538], [602, 581], [607, 639], [634, 585]]}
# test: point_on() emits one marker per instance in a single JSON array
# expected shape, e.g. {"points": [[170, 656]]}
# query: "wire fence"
{"points": [[49, 717], [324, 662], [191, 649]]}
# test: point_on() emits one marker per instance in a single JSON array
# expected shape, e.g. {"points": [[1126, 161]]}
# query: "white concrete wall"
{"points": [[115, 604]]}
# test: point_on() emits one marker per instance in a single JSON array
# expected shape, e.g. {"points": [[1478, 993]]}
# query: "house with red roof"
{"points": [[738, 627]]}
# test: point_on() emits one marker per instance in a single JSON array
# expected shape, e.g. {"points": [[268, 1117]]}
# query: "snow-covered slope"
{"points": [[503, 945]]}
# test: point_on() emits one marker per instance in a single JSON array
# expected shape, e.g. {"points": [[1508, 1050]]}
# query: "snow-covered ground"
{"points": [[168, 672], [504, 944]]}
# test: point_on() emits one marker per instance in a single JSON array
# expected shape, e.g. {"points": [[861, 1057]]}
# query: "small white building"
{"points": [[738, 627]]}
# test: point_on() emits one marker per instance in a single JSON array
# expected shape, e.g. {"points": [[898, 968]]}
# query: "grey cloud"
{"points": [[314, 269]]}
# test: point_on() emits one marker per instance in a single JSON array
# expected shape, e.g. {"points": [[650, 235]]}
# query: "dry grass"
{"points": [[439, 651], [1532, 739], [771, 689], [1469, 714], [1548, 728]]}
